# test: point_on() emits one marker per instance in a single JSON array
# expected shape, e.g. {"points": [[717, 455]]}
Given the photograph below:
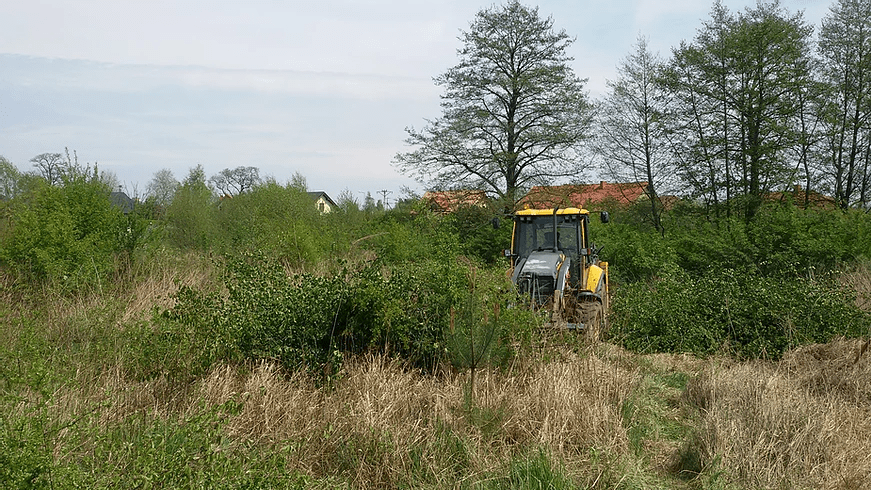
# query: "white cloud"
{"points": [[324, 88], [328, 36], [89, 75]]}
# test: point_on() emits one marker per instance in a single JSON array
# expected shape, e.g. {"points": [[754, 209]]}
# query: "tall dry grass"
{"points": [[382, 425], [151, 283], [858, 279], [800, 423], [399, 421]]}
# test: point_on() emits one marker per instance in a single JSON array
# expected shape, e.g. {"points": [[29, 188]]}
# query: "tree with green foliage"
{"points": [[280, 219], [68, 233], [633, 139], [740, 84], [845, 51], [476, 335], [514, 113], [9, 177], [771, 64], [697, 78], [190, 218], [162, 187]]}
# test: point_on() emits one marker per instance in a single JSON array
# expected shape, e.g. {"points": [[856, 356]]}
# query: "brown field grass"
{"points": [[802, 422], [397, 419], [607, 418], [155, 281], [380, 424]]}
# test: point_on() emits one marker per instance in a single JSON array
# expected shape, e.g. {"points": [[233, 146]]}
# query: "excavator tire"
{"points": [[592, 315]]}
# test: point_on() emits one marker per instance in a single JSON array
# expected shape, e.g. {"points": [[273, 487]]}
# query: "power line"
{"points": [[384, 194]]}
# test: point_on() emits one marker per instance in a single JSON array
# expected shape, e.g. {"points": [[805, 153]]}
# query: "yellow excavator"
{"points": [[554, 264]]}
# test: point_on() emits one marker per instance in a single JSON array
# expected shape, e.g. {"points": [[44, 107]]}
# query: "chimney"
{"points": [[602, 184]]}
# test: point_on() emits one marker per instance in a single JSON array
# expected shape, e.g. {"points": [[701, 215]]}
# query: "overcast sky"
{"points": [[325, 88]]}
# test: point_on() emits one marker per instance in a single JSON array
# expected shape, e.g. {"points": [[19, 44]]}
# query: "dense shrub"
{"points": [[702, 247], [636, 255], [280, 219], [750, 315], [413, 233], [69, 233], [308, 320], [190, 217], [479, 238], [782, 240], [786, 239]]}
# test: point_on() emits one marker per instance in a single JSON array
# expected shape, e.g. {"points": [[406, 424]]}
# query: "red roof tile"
{"points": [[449, 201], [799, 195], [584, 195]]}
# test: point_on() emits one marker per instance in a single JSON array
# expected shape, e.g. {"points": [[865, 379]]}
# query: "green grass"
{"points": [[89, 400]]}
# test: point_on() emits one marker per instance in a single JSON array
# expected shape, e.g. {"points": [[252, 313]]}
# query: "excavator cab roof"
{"points": [[549, 212]]}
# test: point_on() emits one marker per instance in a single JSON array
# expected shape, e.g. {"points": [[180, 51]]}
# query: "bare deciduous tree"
{"points": [[632, 139], [232, 182], [50, 166]]}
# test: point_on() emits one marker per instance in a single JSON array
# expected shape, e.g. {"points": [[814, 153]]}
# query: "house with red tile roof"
{"points": [[584, 195], [450, 201], [799, 197]]}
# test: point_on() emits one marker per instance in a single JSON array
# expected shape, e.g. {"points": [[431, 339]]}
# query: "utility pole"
{"points": [[384, 194]]}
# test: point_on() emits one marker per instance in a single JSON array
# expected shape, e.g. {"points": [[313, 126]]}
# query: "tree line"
{"points": [[755, 103], [413, 280]]}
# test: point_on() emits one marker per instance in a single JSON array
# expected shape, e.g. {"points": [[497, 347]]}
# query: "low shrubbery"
{"points": [[733, 312], [66, 235], [750, 289], [305, 320]]}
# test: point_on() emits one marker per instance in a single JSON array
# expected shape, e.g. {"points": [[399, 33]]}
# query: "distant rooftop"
{"points": [[583, 195], [122, 200], [450, 201]]}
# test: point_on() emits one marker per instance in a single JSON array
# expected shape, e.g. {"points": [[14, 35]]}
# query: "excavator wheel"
{"points": [[592, 315]]}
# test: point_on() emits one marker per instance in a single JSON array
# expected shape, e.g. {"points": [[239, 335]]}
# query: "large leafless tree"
{"points": [[51, 166], [232, 182]]}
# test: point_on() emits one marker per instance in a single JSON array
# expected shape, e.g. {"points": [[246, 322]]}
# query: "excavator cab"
{"points": [[555, 265]]}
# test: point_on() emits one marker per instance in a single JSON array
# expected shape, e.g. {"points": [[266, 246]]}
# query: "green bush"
{"points": [[789, 240], [703, 247], [635, 255], [280, 219], [782, 238], [413, 233], [25, 458], [190, 217], [68, 234], [307, 320], [749, 315], [172, 349], [478, 238]]}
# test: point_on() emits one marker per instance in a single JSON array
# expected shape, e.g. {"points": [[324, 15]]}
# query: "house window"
{"points": [[321, 206]]}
